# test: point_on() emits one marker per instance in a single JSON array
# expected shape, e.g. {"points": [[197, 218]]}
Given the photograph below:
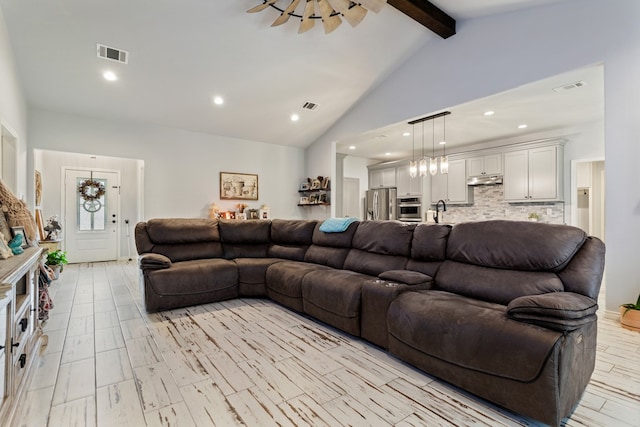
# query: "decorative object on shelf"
{"points": [[56, 260], [240, 207], [238, 186], [38, 189], [630, 315], [16, 244], [326, 182], [4, 227], [444, 160], [330, 12], [433, 160], [5, 251], [214, 211], [304, 200], [315, 184], [253, 213], [40, 225], [53, 228], [265, 212], [16, 212], [304, 186], [19, 231]]}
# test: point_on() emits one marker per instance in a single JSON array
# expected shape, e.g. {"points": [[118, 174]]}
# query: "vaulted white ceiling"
{"points": [[183, 53]]}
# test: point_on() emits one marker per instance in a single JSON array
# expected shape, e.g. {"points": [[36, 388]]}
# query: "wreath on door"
{"points": [[91, 190]]}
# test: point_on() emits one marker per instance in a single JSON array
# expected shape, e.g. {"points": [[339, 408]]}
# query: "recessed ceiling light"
{"points": [[522, 126], [295, 117], [110, 75], [218, 100], [387, 154], [489, 113], [443, 142], [406, 134], [352, 147]]}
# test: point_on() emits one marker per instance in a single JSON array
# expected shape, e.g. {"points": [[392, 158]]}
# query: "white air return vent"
{"points": [[570, 86], [112, 54], [310, 106]]}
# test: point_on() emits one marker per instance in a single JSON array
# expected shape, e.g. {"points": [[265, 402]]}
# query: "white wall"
{"points": [[356, 167], [181, 168], [496, 53], [13, 109]]}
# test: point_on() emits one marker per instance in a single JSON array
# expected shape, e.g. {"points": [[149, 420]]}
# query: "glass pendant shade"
{"points": [[433, 165], [444, 164], [413, 169], [423, 167]]}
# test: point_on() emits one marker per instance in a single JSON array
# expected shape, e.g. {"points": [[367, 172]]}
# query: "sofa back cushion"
{"points": [[428, 248], [379, 246], [331, 249], [290, 239], [245, 239], [517, 245], [179, 239]]}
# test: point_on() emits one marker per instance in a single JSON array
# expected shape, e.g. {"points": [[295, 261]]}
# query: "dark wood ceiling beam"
{"points": [[428, 15]]}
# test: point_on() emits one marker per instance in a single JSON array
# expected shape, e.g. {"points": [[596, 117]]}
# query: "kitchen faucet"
{"points": [[444, 209]]}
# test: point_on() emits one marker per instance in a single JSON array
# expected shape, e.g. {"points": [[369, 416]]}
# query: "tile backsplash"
{"points": [[489, 204]]}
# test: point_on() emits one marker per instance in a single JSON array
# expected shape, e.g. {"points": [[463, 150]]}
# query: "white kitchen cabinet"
{"points": [[485, 165], [382, 177], [452, 187], [406, 184], [533, 175]]}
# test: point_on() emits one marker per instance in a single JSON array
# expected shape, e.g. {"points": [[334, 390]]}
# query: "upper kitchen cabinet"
{"points": [[408, 186], [385, 177], [452, 187], [533, 175], [485, 165]]}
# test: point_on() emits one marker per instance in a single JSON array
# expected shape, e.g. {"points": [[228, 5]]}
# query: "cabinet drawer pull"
{"points": [[24, 323], [23, 360]]}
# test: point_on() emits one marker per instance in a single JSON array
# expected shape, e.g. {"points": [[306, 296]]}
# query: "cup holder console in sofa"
{"points": [[503, 309]]}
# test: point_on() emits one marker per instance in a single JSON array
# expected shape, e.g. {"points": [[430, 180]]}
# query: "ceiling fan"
{"points": [[329, 11]]}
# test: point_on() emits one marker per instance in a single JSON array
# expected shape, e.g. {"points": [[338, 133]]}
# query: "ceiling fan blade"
{"points": [[373, 5], [306, 23], [353, 15], [284, 17], [330, 22], [262, 6]]}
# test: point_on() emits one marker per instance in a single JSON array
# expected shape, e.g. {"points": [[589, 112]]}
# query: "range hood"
{"points": [[485, 180]]}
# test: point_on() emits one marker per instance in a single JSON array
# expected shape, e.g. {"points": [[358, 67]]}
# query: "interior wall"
{"points": [[51, 165], [181, 168], [480, 61], [13, 109], [356, 167]]}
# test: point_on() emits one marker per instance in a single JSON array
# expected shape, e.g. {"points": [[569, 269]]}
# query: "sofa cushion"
{"points": [[180, 239], [384, 237], [248, 239], [290, 239], [429, 242], [493, 284], [471, 334], [284, 281], [331, 249], [194, 277], [516, 245], [405, 276], [334, 297], [252, 275], [372, 263], [562, 311]]}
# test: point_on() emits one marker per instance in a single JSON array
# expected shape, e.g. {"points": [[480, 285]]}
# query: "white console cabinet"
{"points": [[20, 333]]}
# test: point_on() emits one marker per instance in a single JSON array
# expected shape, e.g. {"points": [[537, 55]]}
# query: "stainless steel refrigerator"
{"points": [[381, 204]]}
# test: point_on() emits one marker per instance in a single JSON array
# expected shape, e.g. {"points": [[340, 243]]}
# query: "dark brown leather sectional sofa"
{"points": [[505, 310]]}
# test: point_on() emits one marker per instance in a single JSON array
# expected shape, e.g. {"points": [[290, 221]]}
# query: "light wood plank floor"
{"points": [[252, 362]]}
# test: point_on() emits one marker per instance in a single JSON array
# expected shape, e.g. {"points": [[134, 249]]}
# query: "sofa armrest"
{"points": [[561, 311], [151, 261], [406, 277]]}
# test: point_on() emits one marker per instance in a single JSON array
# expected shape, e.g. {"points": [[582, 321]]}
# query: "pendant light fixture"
{"points": [[423, 160], [433, 161], [444, 160], [413, 166]]}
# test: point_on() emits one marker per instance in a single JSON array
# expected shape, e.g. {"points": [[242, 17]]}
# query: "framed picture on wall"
{"points": [[238, 186]]}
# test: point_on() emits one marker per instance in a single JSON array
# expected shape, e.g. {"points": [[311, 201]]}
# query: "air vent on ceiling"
{"points": [[310, 106], [570, 86], [112, 54]]}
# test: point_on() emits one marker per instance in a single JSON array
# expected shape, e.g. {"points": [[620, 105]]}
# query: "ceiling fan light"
{"points": [[444, 164]]}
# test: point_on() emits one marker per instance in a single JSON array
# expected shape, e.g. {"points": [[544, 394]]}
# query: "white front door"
{"points": [[91, 226]]}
